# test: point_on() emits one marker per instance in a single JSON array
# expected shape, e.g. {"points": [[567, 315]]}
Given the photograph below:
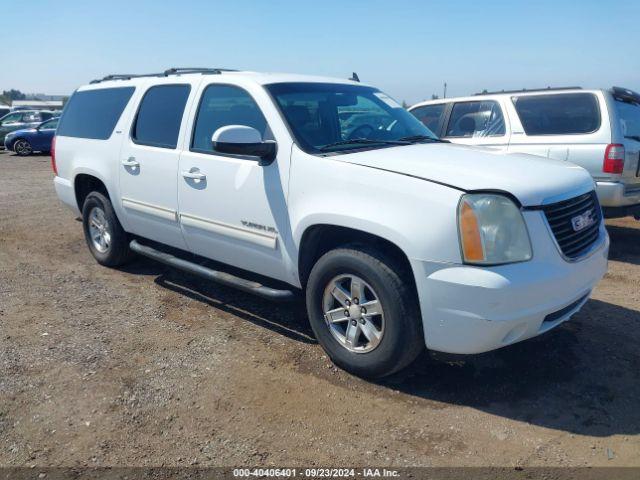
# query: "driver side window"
{"points": [[223, 105]]}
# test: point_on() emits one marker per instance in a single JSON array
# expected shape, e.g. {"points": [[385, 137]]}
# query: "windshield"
{"points": [[629, 115], [333, 117]]}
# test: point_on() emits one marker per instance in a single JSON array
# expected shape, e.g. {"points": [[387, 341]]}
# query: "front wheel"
{"points": [[107, 241], [23, 147], [364, 311]]}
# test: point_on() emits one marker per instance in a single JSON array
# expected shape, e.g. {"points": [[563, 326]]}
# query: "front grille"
{"points": [[565, 219]]}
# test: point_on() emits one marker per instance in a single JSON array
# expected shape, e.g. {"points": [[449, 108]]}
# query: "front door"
{"points": [[232, 209], [149, 165]]}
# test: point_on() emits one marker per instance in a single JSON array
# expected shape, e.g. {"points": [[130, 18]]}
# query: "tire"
{"points": [[398, 330], [107, 241], [22, 147]]}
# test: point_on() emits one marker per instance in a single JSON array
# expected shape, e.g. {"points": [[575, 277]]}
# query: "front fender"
{"points": [[416, 215]]}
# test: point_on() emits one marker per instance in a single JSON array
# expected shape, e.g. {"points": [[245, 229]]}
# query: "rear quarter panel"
{"points": [[585, 150], [99, 158]]}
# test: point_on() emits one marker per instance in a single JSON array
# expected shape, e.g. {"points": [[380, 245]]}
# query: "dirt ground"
{"points": [[148, 366]]}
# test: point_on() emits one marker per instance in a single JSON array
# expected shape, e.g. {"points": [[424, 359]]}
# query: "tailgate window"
{"points": [[558, 114], [629, 118]]}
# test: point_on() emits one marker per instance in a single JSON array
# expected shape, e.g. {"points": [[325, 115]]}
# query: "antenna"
{"points": [[355, 77]]}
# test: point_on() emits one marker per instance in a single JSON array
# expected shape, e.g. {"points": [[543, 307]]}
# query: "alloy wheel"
{"points": [[99, 230], [353, 313]]}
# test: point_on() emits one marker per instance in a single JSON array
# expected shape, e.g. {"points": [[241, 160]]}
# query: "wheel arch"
{"points": [[318, 239], [84, 184], [16, 140]]}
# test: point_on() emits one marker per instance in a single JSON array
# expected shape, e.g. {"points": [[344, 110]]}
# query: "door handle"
{"points": [[131, 162], [194, 174]]}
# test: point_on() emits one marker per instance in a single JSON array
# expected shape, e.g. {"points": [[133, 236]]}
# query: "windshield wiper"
{"points": [[633, 137], [362, 141], [422, 138]]}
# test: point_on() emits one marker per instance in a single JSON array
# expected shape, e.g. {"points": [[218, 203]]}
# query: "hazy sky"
{"points": [[406, 47]]}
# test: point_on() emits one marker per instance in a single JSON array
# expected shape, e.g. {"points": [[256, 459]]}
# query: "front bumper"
{"points": [[468, 309]]}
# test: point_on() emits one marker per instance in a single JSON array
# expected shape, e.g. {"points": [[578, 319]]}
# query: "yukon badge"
{"points": [[582, 221]]}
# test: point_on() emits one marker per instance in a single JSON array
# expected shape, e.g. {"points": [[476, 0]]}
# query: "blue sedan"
{"points": [[25, 142]]}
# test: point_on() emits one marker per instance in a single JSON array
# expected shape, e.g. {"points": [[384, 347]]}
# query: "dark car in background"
{"points": [[26, 141], [4, 110], [23, 119]]}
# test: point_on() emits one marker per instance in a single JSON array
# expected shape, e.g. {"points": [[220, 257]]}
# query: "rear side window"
{"points": [[476, 119], [160, 115], [558, 114], [430, 115], [629, 118], [94, 113], [223, 105]]}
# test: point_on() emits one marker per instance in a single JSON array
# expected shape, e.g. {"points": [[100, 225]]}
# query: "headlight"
{"points": [[492, 230]]}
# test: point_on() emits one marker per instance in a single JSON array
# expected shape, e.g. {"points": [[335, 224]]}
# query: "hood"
{"points": [[531, 179]]}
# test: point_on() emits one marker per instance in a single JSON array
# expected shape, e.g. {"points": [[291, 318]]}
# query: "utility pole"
{"points": [[445, 90]]}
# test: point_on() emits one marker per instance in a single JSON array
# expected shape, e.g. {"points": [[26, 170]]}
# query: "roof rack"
{"points": [[166, 73], [212, 71], [528, 90]]}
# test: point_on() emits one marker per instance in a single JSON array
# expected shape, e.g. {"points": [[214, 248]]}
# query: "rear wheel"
{"points": [[364, 311], [22, 147], [107, 241]]}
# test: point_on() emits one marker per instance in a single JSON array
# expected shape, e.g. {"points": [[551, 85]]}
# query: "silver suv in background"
{"points": [[595, 129]]}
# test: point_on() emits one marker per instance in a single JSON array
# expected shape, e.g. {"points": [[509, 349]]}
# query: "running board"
{"points": [[213, 275]]}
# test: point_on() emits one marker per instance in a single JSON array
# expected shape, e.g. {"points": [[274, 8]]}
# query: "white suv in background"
{"points": [[329, 187], [596, 129]]}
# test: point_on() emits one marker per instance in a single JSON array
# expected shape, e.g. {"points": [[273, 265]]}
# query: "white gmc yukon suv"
{"points": [[398, 239]]}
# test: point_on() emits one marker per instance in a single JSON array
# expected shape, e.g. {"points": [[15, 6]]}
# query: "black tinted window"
{"points": [[629, 117], [476, 119], [560, 114], [429, 115], [223, 105], [94, 113], [160, 115]]}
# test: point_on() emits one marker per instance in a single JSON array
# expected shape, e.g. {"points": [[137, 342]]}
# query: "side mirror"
{"points": [[243, 140]]}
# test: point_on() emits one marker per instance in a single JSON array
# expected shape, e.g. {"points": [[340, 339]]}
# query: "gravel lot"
{"points": [[147, 366]]}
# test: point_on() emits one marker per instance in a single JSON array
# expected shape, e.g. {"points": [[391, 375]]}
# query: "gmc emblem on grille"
{"points": [[582, 221]]}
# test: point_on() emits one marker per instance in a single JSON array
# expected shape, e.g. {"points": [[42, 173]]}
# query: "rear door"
{"points": [[479, 122], [148, 166]]}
